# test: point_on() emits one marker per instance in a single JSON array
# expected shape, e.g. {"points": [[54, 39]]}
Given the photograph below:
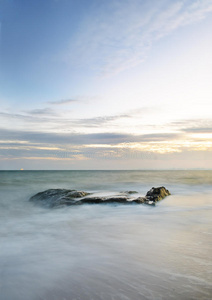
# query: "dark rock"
{"points": [[76, 194], [93, 200], [157, 194], [58, 197], [140, 200]]}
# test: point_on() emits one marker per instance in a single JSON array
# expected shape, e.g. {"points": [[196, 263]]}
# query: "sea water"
{"points": [[109, 251]]}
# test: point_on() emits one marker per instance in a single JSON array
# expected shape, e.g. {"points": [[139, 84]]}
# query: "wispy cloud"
{"points": [[100, 121], [77, 99], [30, 115], [120, 33], [47, 111], [198, 130], [10, 115], [50, 118], [63, 101], [192, 125]]}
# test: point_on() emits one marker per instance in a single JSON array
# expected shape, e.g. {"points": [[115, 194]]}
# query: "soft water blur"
{"points": [[106, 252]]}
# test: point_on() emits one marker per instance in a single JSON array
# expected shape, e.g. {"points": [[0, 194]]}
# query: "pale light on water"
{"points": [[106, 251]]}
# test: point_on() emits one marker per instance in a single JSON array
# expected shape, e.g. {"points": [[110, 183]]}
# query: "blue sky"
{"points": [[105, 84]]}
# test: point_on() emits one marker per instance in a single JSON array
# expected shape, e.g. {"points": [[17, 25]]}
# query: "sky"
{"points": [[116, 84]]}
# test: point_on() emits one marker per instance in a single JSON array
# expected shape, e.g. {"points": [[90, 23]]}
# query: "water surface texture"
{"points": [[110, 251]]}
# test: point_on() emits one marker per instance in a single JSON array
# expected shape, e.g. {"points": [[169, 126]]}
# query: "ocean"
{"points": [[106, 251]]}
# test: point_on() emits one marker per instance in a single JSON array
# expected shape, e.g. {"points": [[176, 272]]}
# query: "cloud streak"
{"points": [[42, 112], [198, 130], [63, 101], [48, 117], [83, 139]]}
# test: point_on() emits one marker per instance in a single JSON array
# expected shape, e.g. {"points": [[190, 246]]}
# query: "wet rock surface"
{"points": [[157, 194], [57, 197], [93, 200]]}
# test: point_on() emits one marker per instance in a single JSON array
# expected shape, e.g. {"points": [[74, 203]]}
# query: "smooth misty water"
{"points": [[107, 252]]}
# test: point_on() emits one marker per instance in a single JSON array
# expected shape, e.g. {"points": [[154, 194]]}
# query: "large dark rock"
{"points": [[58, 197], [157, 194]]}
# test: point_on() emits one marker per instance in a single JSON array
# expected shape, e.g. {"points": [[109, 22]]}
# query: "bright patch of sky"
{"points": [[105, 84]]}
